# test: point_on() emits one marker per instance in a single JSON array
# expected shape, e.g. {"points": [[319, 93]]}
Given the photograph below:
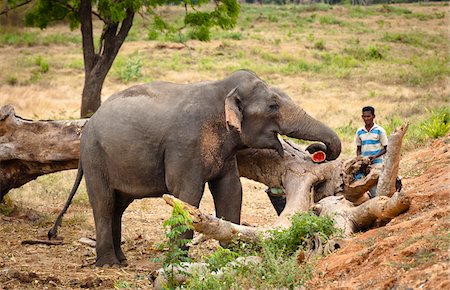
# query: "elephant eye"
{"points": [[273, 108]]}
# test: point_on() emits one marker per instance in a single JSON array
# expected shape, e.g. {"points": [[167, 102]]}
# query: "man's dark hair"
{"points": [[369, 109]]}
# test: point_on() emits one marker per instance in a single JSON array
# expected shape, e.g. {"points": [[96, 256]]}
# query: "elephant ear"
{"points": [[233, 114]]}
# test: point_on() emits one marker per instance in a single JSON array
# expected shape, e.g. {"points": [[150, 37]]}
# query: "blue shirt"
{"points": [[371, 142]]}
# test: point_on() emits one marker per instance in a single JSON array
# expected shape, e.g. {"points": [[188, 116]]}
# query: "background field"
{"points": [[332, 60]]}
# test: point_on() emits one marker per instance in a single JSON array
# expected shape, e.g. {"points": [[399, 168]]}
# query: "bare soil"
{"points": [[409, 252]]}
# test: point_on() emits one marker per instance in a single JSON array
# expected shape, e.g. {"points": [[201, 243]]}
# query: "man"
{"points": [[371, 141]]}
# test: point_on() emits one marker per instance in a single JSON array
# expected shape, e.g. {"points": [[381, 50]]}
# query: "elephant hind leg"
{"points": [[102, 200], [121, 204]]}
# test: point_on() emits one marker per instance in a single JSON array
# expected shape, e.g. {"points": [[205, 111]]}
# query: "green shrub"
{"points": [[220, 258], [415, 39], [437, 124], [393, 123], [394, 10], [365, 54], [278, 269], [152, 35], [42, 64], [303, 228], [330, 20], [179, 222], [131, 69], [25, 38], [12, 80], [319, 44], [346, 132]]}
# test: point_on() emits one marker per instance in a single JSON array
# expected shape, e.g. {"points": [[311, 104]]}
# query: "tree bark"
{"points": [[29, 149], [386, 185], [97, 65]]}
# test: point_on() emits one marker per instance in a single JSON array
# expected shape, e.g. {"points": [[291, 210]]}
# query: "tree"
{"points": [[117, 17]]}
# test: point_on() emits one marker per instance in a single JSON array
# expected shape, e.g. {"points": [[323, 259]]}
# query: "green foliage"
{"points": [[437, 124], [393, 123], [175, 254], [330, 20], [319, 44], [25, 38], [129, 68], [346, 132], [7, 206], [122, 284], [304, 227], [220, 258], [278, 269], [42, 64], [12, 80], [426, 70], [365, 54], [415, 39], [394, 10], [44, 12]]}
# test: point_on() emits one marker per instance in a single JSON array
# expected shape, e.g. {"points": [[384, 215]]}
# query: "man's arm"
{"points": [[358, 150], [383, 151]]}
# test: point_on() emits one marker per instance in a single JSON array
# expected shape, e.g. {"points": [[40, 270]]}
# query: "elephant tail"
{"points": [[54, 230]]}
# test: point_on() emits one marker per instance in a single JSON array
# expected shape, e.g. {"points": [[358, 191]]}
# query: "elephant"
{"points": [[162, 137]]}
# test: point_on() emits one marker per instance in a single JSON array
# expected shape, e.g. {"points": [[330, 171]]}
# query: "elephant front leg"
{"points": [[227, 194]]}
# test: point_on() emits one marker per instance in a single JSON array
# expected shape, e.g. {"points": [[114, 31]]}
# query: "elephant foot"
{"points": [[124, 263], [107, 262]]}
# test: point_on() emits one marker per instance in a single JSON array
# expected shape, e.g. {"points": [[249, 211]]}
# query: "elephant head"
{"points": [[260, 113]]}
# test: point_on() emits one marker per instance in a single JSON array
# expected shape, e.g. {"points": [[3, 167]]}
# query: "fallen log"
{"points": [[350, 218], [347, 217], [29, 149]]}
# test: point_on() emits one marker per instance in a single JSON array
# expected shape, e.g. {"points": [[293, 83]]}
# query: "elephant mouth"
{"points": [[278, 146]]}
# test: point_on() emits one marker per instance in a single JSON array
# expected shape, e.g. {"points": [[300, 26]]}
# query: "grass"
{"points": [[278, 267], [426, 70]]}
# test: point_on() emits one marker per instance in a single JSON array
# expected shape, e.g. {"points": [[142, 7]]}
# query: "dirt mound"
{"points": [[410, 252]]}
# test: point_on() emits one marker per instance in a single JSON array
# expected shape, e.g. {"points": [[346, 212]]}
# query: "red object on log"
{"points": [[318, 156]]}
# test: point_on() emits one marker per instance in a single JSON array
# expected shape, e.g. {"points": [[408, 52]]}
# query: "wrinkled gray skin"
{"points": [[163, 137]]}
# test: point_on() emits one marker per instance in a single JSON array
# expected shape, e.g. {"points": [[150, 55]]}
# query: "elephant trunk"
{"points": [[296, 123]]}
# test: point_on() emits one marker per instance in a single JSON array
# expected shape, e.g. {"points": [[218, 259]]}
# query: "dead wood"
{"points": [[29, 149], [386, 184], [295, 173], [42, 242], [216, 228], [350, 219], [346, 216]]}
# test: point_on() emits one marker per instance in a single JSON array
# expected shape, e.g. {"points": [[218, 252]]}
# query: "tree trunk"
{"points": [[29, 149], [97, 65], [386, 186]]}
